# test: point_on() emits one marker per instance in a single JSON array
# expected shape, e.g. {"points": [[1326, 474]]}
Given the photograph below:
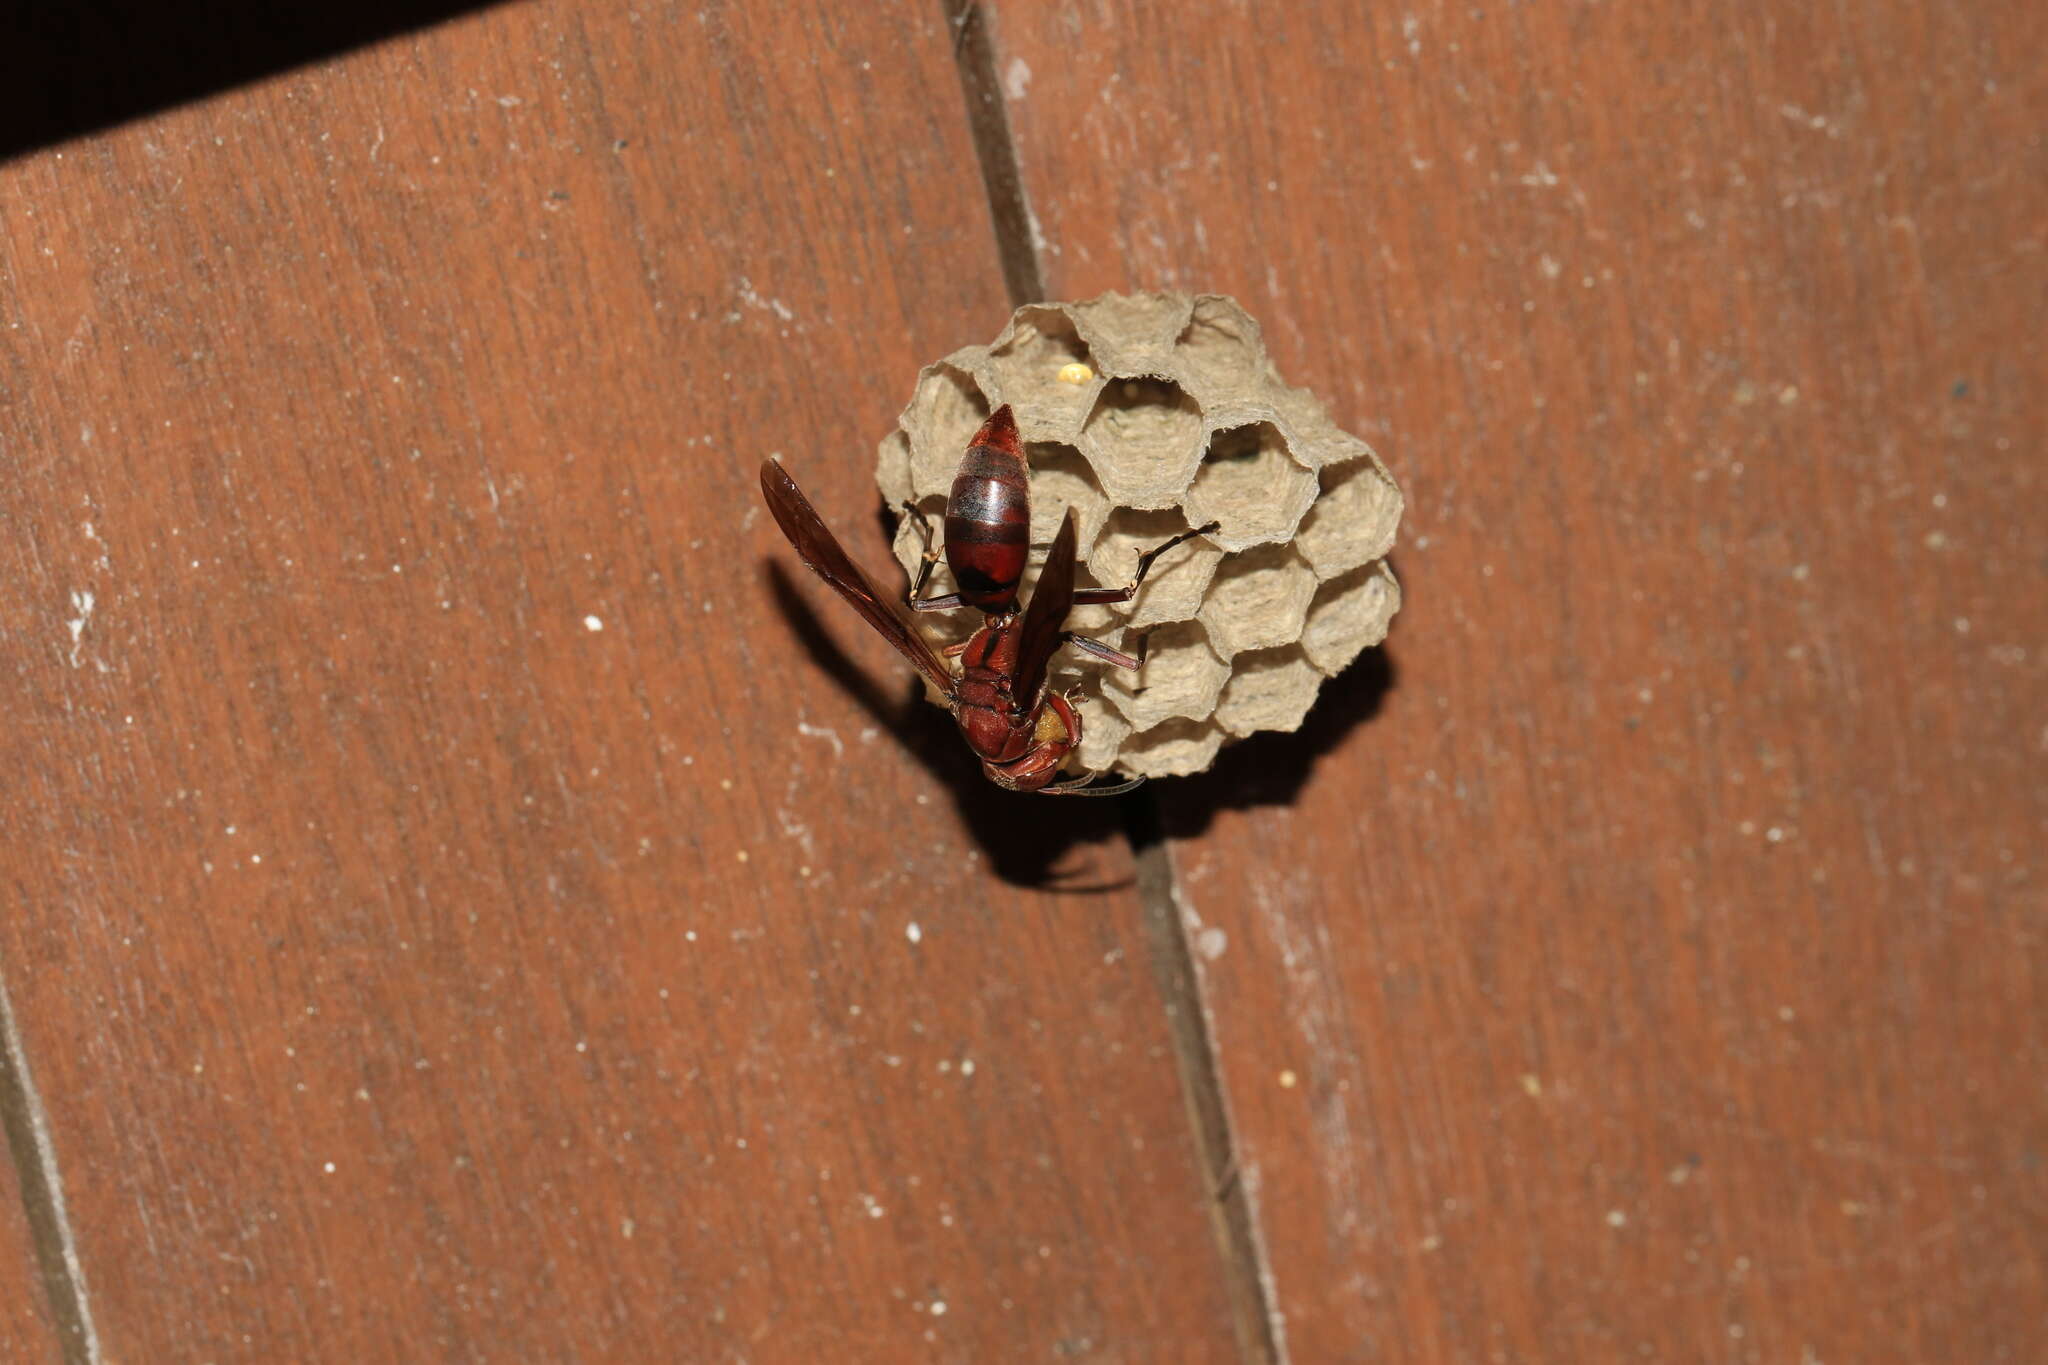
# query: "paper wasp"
{"points": [[1021, 729]]}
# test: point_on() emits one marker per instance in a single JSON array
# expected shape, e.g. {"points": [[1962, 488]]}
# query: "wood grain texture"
{"points": [[1645, 958], [463, 904]]}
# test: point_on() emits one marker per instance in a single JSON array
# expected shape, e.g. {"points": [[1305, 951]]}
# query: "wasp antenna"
{"points": [[1081, 787]]}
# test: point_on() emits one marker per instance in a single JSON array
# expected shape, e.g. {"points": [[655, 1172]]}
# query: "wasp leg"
{"points": [[1103, 651], [1080, 787], [1095, 597], [1144, 644], [915, 599]]}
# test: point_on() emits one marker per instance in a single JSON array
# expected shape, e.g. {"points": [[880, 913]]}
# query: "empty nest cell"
{"points": [[1175, 749], [1251, 485], [1061, 478], [1182, 677], [1271, 689], [1352, 522], [1221, 346], [1144, 438], [943, 417], [1348, 614], [1258, 600]]}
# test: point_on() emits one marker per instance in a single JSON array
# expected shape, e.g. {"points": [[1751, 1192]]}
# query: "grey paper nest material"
{"points": [[1178, 421]]}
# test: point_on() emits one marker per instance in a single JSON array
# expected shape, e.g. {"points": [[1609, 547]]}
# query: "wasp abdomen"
{"points": [[988, 517]]}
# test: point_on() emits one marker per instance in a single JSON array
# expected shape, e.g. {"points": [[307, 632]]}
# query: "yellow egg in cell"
{"points": [[1076, 374]]}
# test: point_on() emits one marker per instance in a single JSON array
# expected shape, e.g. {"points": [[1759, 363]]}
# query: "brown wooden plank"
{"points": [[463, 905], [1655, 966]]}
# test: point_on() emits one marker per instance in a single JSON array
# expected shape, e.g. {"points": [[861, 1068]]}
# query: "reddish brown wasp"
{"points": [[1020, 729]]}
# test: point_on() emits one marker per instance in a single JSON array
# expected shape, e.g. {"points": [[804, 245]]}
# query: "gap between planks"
{"points": [[1173, 964], [1247, 1276], [42, 1192]]}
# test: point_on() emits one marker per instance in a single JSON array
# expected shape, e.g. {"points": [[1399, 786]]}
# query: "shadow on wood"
{"points": [[1271, 769], [1025, 837], [79, 68]]}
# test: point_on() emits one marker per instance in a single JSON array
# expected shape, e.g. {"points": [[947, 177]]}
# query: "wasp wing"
{"points": [[1045, 620], [820, 549]]}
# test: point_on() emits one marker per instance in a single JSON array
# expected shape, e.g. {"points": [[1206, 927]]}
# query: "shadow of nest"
{"points": [[1031, 841]]}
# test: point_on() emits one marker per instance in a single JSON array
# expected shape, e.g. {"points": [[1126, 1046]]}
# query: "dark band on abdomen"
{"points": [[988, 527]]}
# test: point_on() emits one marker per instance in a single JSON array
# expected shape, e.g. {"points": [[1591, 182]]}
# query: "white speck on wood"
{"points": [[797, 830], [104, 564], [824, 732], [81, 602], [1016, 78], [754, 299]]}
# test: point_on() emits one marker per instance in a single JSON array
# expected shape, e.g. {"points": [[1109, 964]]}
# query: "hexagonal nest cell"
{"points": [[1151, 415], [1251, 486], [1145, 435]]}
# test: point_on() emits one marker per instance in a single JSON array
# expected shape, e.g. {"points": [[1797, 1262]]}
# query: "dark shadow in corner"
{"points": [[81, 67], [1025, 838], [1271, 769]]}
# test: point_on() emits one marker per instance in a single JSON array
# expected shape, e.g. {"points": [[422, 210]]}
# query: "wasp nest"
{"points": [[1149, 414]]}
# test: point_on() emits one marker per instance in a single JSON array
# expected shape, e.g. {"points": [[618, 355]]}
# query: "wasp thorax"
{"points": [[1151, 415]]}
